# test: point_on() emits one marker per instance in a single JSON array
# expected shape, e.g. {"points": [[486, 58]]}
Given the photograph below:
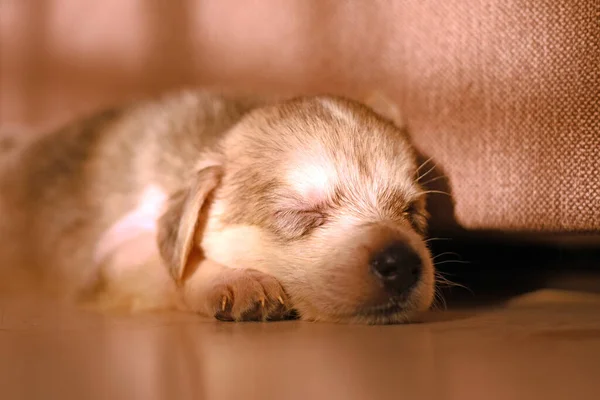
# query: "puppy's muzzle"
{"points": [[397, 267]]}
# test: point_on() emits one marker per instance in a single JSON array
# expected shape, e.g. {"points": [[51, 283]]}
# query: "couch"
{"points": [[503, 98]]}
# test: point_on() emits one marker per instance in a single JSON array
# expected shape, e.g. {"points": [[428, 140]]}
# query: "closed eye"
{"points": [[410, 209], [294, 224], [417, 216]]}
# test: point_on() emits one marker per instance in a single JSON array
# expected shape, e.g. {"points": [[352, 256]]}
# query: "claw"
{"points": [[280, 300], [262, 302], [223, 303]]}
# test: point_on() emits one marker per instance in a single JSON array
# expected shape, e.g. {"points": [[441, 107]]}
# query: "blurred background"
{"points": [[501, 98]]}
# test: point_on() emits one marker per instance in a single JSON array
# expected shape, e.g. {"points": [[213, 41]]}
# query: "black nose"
{"points": [[398, 267]]}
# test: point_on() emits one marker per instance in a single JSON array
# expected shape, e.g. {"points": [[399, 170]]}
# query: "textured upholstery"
{"points": [[503, 95]]}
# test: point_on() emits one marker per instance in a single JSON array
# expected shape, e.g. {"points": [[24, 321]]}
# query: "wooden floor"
{"points": [[541, 345]]}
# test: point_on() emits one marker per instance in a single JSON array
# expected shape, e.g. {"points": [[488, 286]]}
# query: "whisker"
{"points": [[426, 173], [444, 282], [434, 303], [434, 192], [424, 163], [457, 285], [446, 253], [444, 273], [452, 261], [437, 178], [434, 306], [439, 300], [435, 238]]}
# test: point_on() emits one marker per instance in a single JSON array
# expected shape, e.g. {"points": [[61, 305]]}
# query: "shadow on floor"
{"points": [[494, 271]]}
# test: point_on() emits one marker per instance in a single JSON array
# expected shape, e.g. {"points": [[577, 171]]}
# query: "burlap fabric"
{"points": [[503, 95]]}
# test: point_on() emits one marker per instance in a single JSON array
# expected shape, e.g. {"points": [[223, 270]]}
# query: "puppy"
{"points": [[225, 207]]}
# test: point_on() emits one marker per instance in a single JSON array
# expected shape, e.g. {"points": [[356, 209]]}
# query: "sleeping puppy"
{"points": [[224, 207]]}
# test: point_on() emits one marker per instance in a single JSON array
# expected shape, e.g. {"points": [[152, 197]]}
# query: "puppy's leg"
{"points": [[233, 294], [132, 279], [212, 289]]}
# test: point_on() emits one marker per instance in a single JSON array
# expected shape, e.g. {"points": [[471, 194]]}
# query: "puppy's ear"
{"points": [[178, 225], [385, 107]]}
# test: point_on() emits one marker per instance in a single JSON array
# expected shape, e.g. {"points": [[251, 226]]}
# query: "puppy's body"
{"points": [[63, 192], [176, 203]]}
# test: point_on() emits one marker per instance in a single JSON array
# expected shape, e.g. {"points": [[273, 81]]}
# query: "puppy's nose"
{"points": [[398, 267]]}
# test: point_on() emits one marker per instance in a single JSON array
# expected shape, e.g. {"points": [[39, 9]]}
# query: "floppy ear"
{"points": [[385, 107], [177, 226]]}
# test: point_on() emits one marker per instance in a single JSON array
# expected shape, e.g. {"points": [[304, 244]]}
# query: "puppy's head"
{"points": [[322, 194]]}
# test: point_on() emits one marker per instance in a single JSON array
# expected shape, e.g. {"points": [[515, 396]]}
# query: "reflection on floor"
{"points": [[542, 342]]}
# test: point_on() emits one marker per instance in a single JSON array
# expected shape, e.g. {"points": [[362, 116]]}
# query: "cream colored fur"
{"points": [[226, 207]]}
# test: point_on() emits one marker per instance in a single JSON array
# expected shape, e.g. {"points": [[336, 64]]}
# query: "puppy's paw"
{"points": [[247, 295]]}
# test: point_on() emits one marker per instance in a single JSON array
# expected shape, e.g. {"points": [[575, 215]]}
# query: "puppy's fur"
{"points": [[220, 206]]}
